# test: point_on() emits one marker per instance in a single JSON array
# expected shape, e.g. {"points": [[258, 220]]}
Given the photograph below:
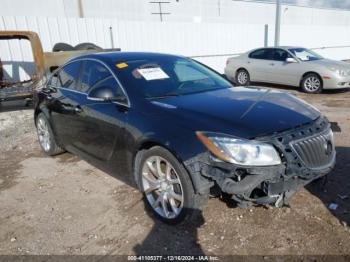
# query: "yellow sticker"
{"points": [[121, 65]]}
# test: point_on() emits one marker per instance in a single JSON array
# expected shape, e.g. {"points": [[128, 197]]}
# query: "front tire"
{"points": [[242, 77], [167, 187], [46, 138], [311, 83]]}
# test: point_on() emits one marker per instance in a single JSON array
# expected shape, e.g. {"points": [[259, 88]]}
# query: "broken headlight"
{"points": [[239, 151]]}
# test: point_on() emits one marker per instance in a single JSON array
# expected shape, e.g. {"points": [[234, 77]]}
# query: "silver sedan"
{"points": [[287, 65]]}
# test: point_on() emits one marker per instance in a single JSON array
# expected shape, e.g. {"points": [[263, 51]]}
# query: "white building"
{"points": [[211, 29], [218, 11]]}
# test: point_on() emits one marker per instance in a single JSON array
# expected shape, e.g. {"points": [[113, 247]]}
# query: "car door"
{"points": [[258, 64], [100, 124], [282, 71], [64, 102]]}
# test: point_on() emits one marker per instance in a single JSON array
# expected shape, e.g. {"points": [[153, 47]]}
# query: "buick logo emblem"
{"points": [[328, 147]]}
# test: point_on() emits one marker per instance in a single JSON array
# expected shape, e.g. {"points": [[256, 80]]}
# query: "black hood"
{"points": [[238, 111]]}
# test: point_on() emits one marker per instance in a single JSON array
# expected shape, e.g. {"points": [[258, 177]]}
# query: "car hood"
{"points": [[331, 63], [239, 111]]}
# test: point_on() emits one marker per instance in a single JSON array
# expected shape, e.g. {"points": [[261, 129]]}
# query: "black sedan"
{"points": [[177, 129]]}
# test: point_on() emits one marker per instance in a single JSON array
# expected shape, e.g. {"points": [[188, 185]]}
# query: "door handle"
{"points": [[78, 109], [272, 64]]}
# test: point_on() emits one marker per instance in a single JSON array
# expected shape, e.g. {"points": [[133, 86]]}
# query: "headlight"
{"points": [[340, 72], [239, 151]]}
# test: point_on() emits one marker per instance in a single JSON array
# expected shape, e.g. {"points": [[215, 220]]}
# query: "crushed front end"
{"points": [[307, 152]]}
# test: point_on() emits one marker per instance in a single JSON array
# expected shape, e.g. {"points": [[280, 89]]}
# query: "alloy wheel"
{"points": [[162, 187], [43, 134], [242, 77], [312, 84]]}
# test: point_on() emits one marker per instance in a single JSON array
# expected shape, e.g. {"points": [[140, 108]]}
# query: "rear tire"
{"points": [[311, 84], [242, 77], [46, 137], [167, 187]]}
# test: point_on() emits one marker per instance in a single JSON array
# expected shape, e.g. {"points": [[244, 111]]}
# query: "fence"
{"points": [[211, 43]]}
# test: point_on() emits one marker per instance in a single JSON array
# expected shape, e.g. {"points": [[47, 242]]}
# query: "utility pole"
{"points": [[160, 12], [266, 35], [278, 23], [219, 7], [80, 9], [111, 36]]}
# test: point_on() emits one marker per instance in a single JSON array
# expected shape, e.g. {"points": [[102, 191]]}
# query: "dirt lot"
{"points": [[63, 205]]}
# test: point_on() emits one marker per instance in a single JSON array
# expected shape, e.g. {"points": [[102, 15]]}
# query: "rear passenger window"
{"points": [[266, 54], [68, 76], [93, 73]]}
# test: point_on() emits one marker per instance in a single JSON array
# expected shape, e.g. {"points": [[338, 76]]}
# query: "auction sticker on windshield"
{"points": [[121, 65], [152, 73]]}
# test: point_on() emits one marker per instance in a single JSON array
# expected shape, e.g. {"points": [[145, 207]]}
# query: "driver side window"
{"points": [[93, 73], [96, 77], [281, 55], [111, 84]]}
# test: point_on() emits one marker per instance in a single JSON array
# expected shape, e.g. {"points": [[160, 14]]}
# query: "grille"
{"points": [[316, 151]]}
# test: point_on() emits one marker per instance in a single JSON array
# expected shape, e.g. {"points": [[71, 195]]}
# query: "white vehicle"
{"points": [[287, 65]]}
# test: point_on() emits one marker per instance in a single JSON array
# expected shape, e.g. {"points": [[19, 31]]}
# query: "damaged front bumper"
{"points": [[307, 153]]}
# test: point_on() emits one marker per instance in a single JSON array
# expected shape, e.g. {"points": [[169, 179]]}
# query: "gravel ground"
{"points": [[63, 205]]}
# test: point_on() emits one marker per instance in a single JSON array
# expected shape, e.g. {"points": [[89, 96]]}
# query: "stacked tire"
{"points": [[60, 47]]}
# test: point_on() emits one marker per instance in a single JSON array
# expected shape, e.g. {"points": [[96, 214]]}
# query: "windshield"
{"points": [[168, 76], [305, 55]]}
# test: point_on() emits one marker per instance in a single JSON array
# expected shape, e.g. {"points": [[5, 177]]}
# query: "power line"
{"points": [[160, 12]]}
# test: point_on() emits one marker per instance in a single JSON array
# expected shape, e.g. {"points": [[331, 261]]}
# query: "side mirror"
{"points": [[290, 60], [49, 89], [103, 93]]}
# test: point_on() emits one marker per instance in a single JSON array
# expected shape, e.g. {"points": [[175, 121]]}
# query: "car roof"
{"points": [[285, 47], [113, 57], [288, 47], [282, 47]]}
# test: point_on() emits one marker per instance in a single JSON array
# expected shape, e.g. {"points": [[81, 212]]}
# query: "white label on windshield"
{"points": [[153, 73]]}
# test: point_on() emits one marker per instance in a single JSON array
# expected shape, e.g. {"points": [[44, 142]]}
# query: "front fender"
{"points": [[183, 148]]}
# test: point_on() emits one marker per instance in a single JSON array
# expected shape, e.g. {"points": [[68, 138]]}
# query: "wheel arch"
{"points": [[310, 72], [148, 144], [56, 147], [242, 68], [39, 110]]}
